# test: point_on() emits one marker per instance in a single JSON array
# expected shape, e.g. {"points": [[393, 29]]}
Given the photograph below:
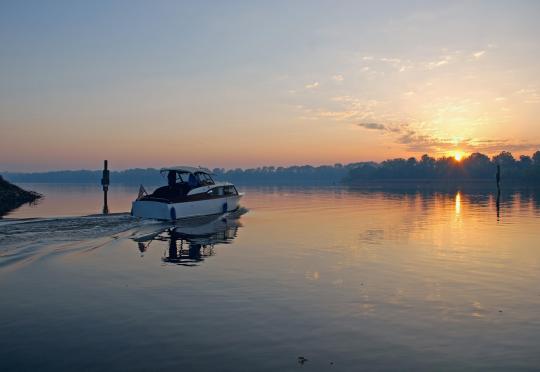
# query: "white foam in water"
{"points": [[15, 232]]}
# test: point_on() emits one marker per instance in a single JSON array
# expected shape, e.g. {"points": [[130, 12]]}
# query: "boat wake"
{"points": [[19, 234], [65, 228], [28, 239]]}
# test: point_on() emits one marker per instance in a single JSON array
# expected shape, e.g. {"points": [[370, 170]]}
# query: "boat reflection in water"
{"points": [[190, 241]]}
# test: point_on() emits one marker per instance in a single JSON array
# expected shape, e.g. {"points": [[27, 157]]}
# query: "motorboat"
{"points": [[190, 192]]}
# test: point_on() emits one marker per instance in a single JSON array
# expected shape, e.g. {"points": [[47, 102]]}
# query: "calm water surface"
{"points": [[348, 279]]}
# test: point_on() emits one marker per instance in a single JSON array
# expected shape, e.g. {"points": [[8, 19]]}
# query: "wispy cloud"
{"points": [[426, 109], [376, 126], [346, 108], [446, 58], [530, 95], [413, 136], [416, 141], [421, 142], [435, 64], [397, 64], [479, 54], [380, 127], [392, 61]]}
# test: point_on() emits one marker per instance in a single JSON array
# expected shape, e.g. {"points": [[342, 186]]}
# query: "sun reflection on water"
{"points": [[458, 203]]}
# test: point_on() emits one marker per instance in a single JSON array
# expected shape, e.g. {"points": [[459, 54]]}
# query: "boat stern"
{"points": [[153, 209]]}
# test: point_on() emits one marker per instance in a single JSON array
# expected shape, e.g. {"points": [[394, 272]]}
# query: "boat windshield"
{"points": [[196, 179], [204, 178], [177, 177]]}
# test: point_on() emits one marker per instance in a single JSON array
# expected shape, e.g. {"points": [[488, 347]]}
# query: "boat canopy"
{"points": [[186, 169]]}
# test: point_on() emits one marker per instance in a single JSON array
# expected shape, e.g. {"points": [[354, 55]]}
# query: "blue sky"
{"points": [[251, 83]]}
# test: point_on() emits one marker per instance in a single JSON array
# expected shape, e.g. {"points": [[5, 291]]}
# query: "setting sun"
{"points": [[458, 156]]}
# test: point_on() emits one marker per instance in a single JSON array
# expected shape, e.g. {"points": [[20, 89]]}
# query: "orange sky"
{"points": [[243, 85]]}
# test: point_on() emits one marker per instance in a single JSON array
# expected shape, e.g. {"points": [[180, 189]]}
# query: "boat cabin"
{"points": [[186, 183]]}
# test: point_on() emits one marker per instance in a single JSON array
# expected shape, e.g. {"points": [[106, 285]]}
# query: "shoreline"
{"points": [[12, 196]]}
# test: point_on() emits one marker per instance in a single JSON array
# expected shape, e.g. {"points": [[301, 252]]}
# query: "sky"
{"points": [[243, 84]]}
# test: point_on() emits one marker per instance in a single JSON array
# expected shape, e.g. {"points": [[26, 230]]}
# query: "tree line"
{"points": [[476, 166], [300, 175]]}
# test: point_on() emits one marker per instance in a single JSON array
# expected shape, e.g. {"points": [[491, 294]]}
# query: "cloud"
{"points": [[338, 77], [493, 146], [420, 142], [392, 61], [346, 108], [380, 127], [479, 54], [436, 64], [376, 126], [413, 136], [312, 86], [448, 57], [384, 63], [398, 64], [531, 95]]}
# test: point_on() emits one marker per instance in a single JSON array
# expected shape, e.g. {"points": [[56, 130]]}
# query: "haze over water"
{"points": [[349, 279]]}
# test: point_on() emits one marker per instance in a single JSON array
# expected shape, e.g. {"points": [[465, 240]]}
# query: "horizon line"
{"points": [[463, 156]]}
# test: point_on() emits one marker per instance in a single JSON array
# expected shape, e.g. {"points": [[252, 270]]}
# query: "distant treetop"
{"points": [[476, 166]]}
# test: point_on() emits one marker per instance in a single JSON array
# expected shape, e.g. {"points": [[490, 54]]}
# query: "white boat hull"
{"points": [[173, 211]]}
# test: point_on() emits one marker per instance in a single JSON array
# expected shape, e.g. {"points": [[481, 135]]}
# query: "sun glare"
{"points": [[458, 156], [458, 203]]}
